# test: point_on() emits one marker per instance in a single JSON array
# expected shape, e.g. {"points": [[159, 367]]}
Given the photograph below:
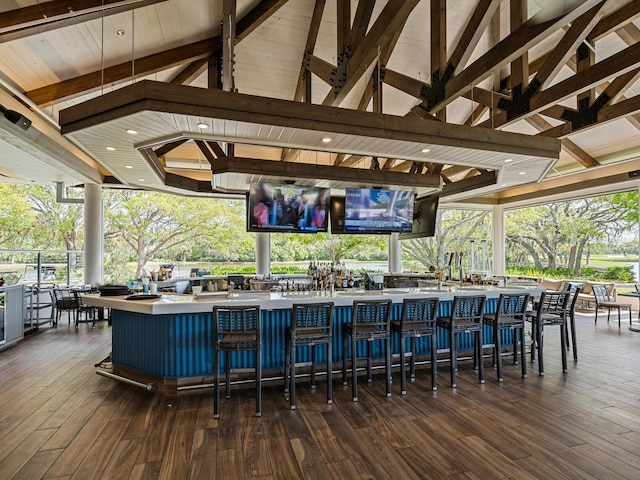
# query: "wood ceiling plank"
{"points": [[50, 94], [303, 170], [55, 14], [510, 48]]}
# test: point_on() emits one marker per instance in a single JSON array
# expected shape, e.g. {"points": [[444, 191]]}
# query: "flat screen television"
{"points": [[369, 210], [287, 208], [425, 213]]}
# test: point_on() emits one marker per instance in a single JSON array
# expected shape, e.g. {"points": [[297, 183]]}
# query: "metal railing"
{"points": [[34, 267]]}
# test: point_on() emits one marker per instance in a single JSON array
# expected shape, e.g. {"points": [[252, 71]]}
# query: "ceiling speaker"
{"points": [[17, 118]]}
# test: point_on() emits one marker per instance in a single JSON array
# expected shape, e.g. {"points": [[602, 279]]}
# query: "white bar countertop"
{"points": [[169, 304]]}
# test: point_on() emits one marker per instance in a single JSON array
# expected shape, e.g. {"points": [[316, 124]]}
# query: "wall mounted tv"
{"points": [[378, 211], [425, 214], [287, 208]]}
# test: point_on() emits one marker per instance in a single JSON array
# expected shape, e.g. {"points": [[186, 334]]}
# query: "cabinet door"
{"points": [[14, 313]]}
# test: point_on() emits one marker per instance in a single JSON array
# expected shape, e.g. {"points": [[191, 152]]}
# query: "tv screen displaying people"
{"points": [[287, 208], [378, 211]]}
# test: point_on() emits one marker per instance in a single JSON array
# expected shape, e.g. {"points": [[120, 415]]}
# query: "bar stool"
{"points": [[236, 328], [369, 322], [509, 316], [418, 319], [466, 317], [550, 310], [311, 325]]}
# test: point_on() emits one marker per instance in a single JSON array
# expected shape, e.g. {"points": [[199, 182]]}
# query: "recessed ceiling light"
{"points": [[203, 125], [503, 184], [120, 32], [131, 131], [111, 149], [508, 160], [522, 173], [141, 179], [425, 150], [326, 139], [128, 166]]}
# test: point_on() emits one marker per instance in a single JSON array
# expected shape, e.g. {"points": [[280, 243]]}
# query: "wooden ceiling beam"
{"points": [[613, 22], [320, 68], [307, 170], [484, 179], [565, 48], [567, 145], [384, 29], [361, 21], [474, 29], [167, 147], [217, 149], [310, 45], [55, 14], [511, 47], [617, 64], [520, 64], [256, 17], [343, 27], [73, 87], [438, 47], [189, 73], [205, 151]]}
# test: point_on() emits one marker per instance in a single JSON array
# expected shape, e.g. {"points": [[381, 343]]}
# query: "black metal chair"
{"points": [[418, 319], [66, 301], [236, 328], [550, 310], [573, 301], [311, 325], [604, 300], [509, 315], [370, 321], [466, 317]]}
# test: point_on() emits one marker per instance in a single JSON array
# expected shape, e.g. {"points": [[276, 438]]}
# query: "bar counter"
{"points": [[168, 341]]}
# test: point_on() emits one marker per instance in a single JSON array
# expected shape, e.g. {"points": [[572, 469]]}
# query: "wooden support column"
{"points": [[228, 43], [585, 57], [438, 45], [520, 66]]}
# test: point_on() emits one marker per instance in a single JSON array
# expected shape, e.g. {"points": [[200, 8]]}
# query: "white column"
{"points": [[395, 254], [93, 235], [638, 278], [263, 253], [498, 240]]}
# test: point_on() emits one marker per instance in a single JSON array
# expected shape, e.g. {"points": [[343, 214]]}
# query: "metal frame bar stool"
{"points": [[236, 328], [311, 325], [509, 315], [550, 310], [466, 317], [370, 321], [418, 319]]}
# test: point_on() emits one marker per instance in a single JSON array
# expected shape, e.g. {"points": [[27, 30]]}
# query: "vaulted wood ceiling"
{"points": [[565, 70]]}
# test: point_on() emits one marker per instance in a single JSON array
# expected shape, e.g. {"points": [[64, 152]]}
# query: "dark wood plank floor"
{"points": [[58, 419]]}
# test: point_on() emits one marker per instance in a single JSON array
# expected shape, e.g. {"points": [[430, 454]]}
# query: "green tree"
{"points": [[463, 231], [17, 218], [150, 224]]}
